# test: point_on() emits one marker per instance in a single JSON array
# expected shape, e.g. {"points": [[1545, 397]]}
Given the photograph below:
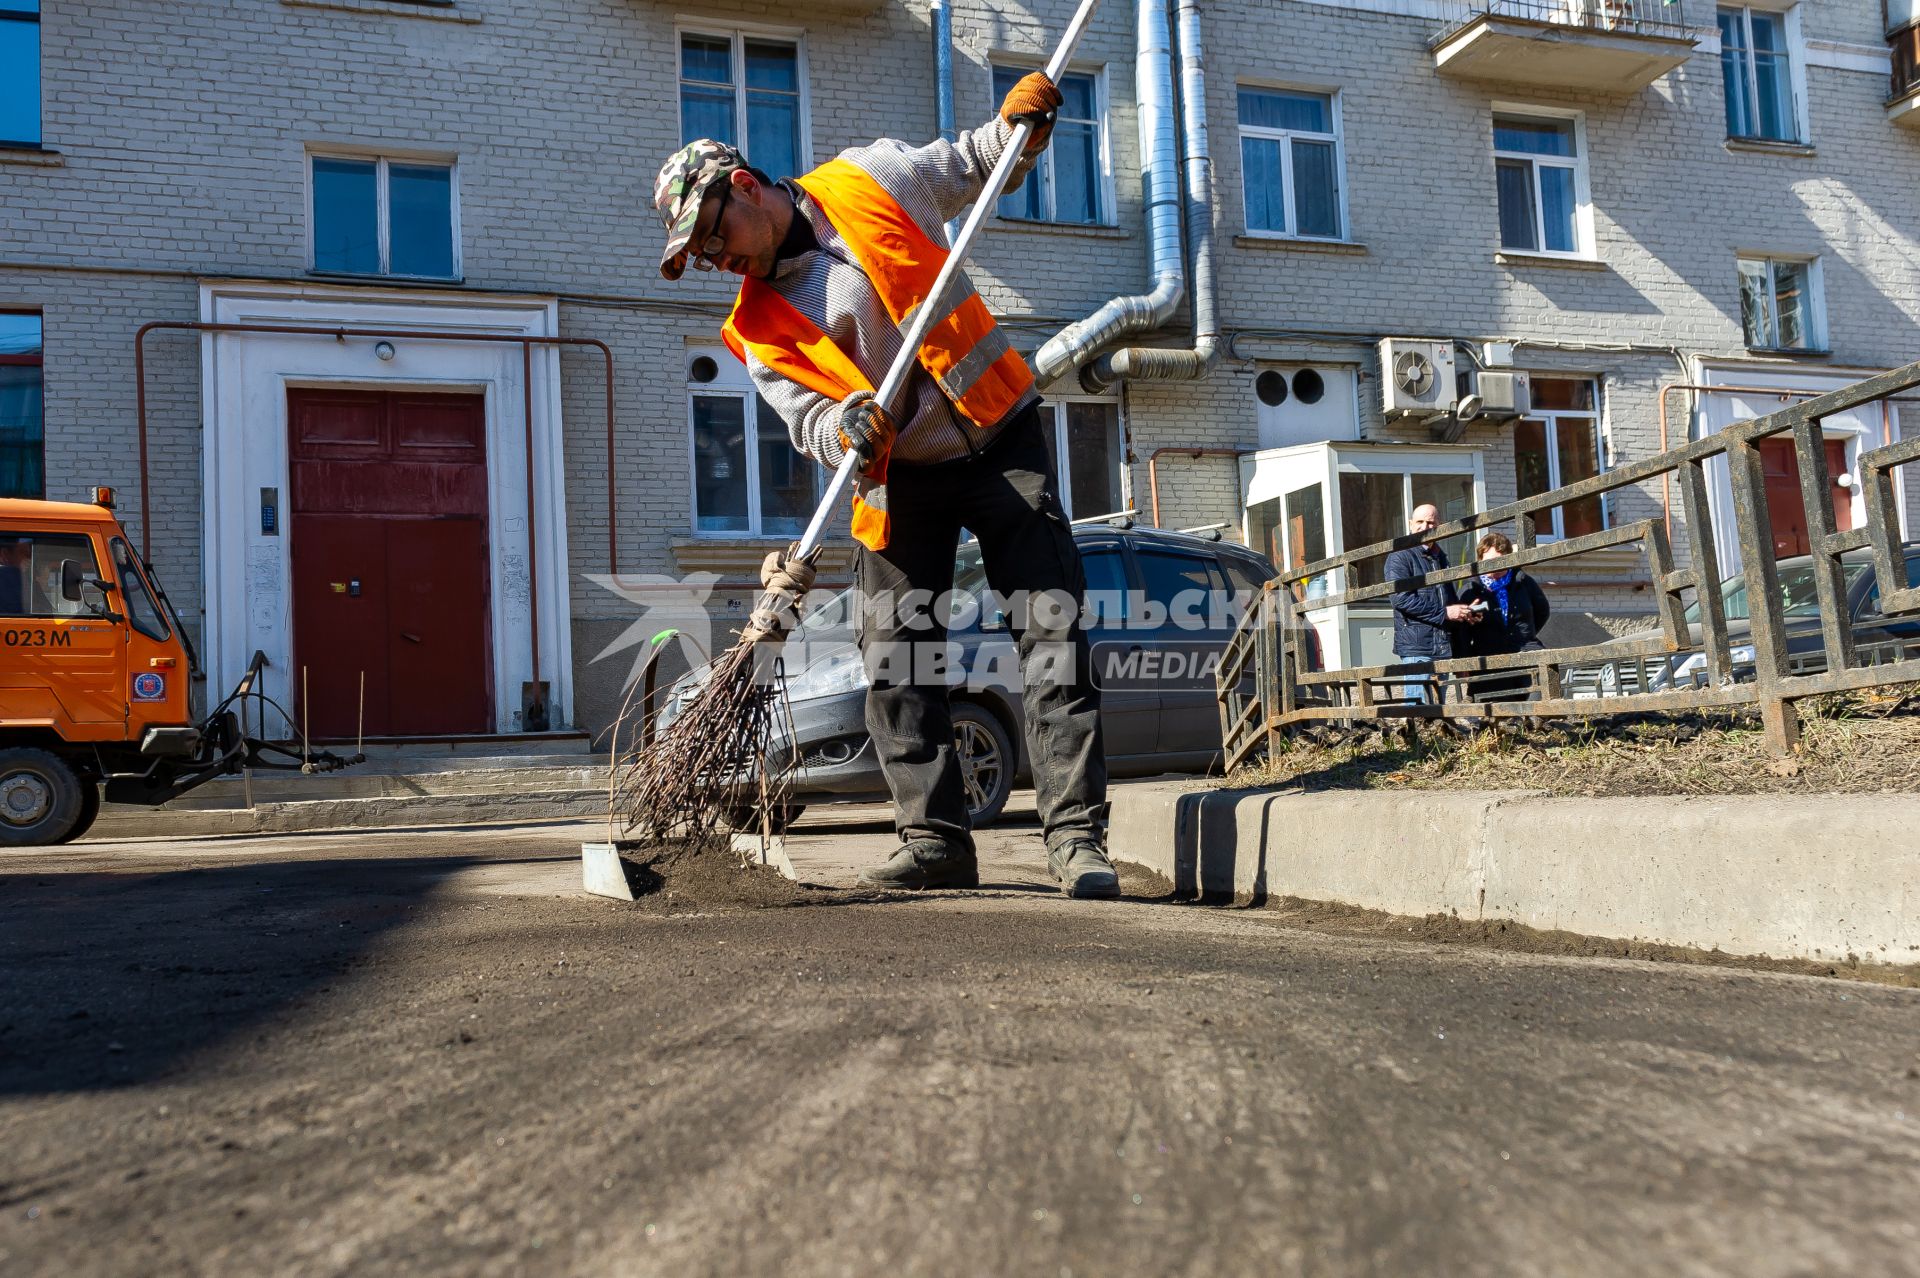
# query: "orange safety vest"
{"points": [[964, 351]]}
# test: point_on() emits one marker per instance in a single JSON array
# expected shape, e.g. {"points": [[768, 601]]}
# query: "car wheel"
{"points": [[745, 817], [41, 798], [987, 761], [89, 811]]}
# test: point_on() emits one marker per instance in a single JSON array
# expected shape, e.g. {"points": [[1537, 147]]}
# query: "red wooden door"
{"points": [[1785, 508], [388, 530]]}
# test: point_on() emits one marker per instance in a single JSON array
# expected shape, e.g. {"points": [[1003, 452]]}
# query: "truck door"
{"points": [[156, 678], [60, 659]]}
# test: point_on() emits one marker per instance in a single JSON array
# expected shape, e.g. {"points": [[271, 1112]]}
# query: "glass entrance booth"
{"points": [[1313, 501]]}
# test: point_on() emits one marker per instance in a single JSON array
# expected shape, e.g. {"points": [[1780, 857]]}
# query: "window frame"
{"points": [[733, 382], [38, 359], [1107, 213], [1814, 316], [1550, 418], [1586, 249], [38, 141], [1056, 407], [737, 34], [1796, 52], [383, 209], [1285, 136]]}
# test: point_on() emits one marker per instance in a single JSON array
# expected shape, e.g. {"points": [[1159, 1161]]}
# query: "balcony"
{"points": [[1903, 100], [1603, 47]]}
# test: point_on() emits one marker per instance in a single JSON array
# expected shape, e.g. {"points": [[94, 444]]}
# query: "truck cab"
{"points": [[95, 676]]}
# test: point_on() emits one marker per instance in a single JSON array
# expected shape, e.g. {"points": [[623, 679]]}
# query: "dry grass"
{"points": [[1855, 743]]}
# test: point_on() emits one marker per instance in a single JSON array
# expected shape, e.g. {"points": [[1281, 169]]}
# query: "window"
{"points": [[1756, 71], [1374, 506], [1069, 184], [1541, 178], [1087, 455], [142, 611], [30, 572], [1290, 164], [744, 90], [1560, 445], [22, 423], [1780, 304], [375, 216], [20, 73], [748, 480]]}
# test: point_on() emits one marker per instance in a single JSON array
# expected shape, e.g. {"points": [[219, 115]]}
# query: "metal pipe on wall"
{"points": [[1121, 317], [1177, 365], [1185, 450]]}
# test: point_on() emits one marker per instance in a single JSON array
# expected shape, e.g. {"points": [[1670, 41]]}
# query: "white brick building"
{"points": [[482, 167]]}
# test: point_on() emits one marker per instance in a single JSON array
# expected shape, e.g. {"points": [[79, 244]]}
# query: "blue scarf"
{"points": [[1499, 586]]}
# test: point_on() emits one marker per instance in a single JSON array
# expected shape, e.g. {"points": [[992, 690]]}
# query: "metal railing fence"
{"points": [[1264, 688], [1614, 17]]}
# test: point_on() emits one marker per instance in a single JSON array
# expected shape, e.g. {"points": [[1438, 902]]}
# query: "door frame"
{"points": [[245, 378]]}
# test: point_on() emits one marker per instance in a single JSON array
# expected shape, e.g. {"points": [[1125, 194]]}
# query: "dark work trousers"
{"points": [[1008, 496]]}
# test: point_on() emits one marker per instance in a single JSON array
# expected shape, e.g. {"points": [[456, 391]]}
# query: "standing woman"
{"points": [[1516, 610]]}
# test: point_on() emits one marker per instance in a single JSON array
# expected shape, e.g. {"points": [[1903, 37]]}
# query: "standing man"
{"points": [[1422, 614], [831, 265]]}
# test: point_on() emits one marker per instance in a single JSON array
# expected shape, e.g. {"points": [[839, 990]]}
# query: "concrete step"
{"points": [[119, 821], [510, 777]]}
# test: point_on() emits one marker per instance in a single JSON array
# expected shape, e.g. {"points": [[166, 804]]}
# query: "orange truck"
{"points": [[96, 676]]}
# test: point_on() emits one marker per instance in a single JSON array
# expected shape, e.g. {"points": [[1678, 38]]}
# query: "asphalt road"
{"points": [[428, 1053]]}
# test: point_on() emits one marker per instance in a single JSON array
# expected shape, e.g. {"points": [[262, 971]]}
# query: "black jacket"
{"points": [[1527, 613], [1420, 626]]}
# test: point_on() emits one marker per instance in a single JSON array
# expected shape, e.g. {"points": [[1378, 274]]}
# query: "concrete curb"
{"points": [[1819, 877], [130, 822]]}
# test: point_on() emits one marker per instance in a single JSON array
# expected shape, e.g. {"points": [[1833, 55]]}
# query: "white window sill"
{"points": [[37, 157], [1077, 230], [1767, 146], [1300, 245], [1507, 257], [432, 10], [1791, 352], [402, 281]]}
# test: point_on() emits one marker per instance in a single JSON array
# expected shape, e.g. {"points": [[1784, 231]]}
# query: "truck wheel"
{"points": [[41, 799], [987, 761], [89, 810]]}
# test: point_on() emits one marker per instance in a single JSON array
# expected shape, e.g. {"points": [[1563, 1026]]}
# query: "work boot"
{"points": [[925, 863], [1083, 871]]}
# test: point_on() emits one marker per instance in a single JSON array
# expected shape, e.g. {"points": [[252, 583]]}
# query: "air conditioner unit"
{"points": [[1416, 377], [1496, 396]]}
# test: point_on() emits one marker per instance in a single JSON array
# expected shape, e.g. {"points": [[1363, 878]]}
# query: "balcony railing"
{"points": [[1615, 17]]}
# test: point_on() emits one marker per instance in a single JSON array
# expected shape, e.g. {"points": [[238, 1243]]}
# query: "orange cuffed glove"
{"points": [[865, 428], [1034, 100]]}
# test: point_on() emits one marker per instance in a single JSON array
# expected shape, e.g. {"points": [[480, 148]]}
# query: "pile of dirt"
{"points": [[1857, 743], [680, 878]]}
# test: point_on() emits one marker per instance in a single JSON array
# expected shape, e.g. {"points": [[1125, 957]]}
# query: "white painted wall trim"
{"points": [[1838, 55], [244, 380]]}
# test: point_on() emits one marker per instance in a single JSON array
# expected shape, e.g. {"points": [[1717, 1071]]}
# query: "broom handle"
{"points": [[924, 316]]}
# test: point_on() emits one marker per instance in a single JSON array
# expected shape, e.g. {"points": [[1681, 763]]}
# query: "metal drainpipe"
{"points": [[942, 16], [1074, 345], [1176, 365]]}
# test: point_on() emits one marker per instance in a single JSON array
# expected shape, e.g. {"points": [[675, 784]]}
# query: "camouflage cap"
{"points": [[683, 183]]}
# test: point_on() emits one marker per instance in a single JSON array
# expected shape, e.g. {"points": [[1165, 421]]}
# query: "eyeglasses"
{"points": [[716, 242]]}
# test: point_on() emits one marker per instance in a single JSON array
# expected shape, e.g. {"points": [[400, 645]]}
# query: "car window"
{"points": [[1106, 602], [1871, 604], [1247, 577], [1797, 595], [30, 565], [142, 611], [1189, 584]]}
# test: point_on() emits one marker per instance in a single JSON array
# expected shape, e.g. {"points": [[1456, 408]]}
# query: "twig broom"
{"points": [[721, 744]]}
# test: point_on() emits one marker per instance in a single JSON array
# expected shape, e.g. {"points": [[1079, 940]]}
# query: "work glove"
{"points": [[785, 579], [865, 428], [1034, 100]]}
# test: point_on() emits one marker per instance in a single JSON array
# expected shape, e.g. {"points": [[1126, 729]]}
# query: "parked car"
{"points": [[1158, 708], [1874, 633]]}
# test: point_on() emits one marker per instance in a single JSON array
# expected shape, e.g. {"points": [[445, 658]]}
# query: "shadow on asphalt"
{"points": [[112, 980]]}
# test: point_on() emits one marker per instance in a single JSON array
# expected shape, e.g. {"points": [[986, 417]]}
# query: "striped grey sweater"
{"points": [[932, 183]]}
